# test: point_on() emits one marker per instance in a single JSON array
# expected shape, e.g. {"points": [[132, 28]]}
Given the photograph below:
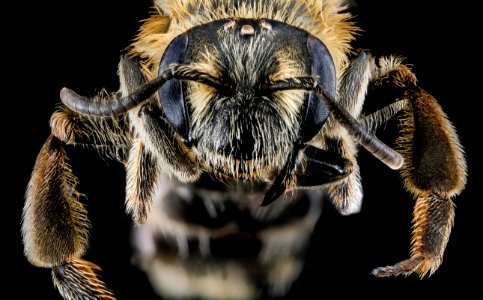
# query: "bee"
{"points": [[234, 120]]}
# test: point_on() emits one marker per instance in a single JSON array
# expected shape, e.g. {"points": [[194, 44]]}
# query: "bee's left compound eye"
{"points": [[322, 66]]}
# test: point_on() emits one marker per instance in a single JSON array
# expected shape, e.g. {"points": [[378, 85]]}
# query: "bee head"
{"points": [[245, 95], [238, 126]]}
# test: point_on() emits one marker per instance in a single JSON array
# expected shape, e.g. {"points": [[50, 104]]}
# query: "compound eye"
{"points": [[321, 66], [171, 95]]}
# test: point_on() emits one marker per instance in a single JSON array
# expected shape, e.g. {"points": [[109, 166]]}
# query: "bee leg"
{"points": [[77, 279], [55, 225], [434, 171], [159, 149], [142, 171], [154, 147], [142, 167], [171, 152], [54, 222], [346, 194]]}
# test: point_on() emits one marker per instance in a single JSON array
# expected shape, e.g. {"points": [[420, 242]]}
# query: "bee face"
{"points": [[238, 128]]}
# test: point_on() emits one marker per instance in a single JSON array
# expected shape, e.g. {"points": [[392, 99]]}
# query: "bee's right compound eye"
{"points": [[171, 93]]}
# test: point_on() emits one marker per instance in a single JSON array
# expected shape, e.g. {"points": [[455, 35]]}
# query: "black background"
{"points": [[77, 44]]}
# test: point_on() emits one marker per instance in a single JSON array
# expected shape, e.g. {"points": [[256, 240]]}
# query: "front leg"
{"points": [[53, 209], [434, 170], [155, 148], [55, 224], [346, 194]]}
